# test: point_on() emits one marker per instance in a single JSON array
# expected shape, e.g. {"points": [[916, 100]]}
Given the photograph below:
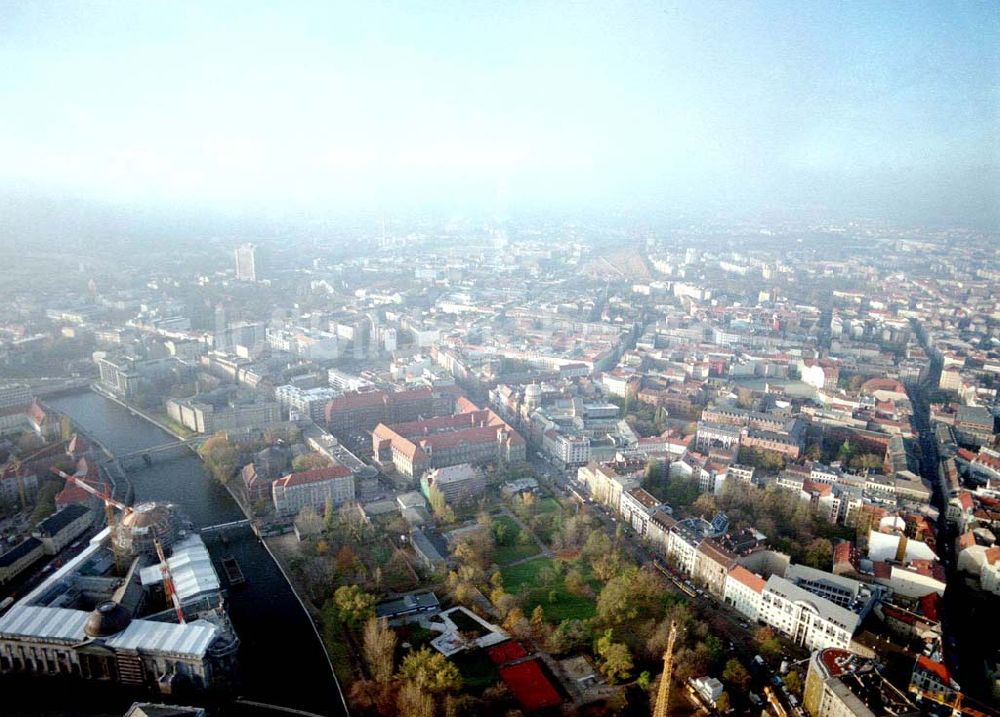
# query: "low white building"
{"points": [[605, 485], [306, 402], [914, 580], [708, 688], [63, 527], [456, 483], [742, 473], [15, 394], [893, 546]]}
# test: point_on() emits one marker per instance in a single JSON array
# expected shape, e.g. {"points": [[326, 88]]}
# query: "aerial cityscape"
{"points": [[447, 367]]}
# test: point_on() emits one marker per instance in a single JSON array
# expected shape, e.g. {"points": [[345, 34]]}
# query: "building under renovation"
{"points": [[109, 614], [138, 531]]}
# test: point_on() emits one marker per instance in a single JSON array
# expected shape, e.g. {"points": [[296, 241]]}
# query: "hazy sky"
{"points": [[855, 106]]}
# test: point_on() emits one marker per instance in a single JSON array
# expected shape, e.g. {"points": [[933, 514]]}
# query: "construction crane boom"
{"points": [[772, 698], [168, 582], [662, 706], [109, 503], [954, 700], [108, 500]]}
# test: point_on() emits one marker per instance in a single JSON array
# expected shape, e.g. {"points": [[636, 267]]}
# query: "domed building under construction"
{"points": [[141, 605], [137, 532]]}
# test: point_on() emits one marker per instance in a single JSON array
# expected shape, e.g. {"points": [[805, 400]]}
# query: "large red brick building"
{"points": [[363, 410], [475, 436]]}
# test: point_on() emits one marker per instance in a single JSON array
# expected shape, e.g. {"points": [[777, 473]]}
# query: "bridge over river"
{"points": [[145, 457]]}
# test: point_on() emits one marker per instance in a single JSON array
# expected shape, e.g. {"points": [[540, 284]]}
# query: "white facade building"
{"points": [[566, 449], [744, 591], [637, 507], [808, 619]]}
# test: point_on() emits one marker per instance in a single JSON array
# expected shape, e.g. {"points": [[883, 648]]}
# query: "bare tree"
{"points": [[414, 702], [379, 646]]}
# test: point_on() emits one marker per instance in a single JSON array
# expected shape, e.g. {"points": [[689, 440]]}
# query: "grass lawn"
{"points": [[565, 606], [517, 550], [547, 505], [525, 573], [507, 554]]}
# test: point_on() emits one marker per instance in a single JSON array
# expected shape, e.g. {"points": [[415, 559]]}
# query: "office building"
{"points": [[477, 437], [295, 491], [15, 394], [359, 411], [246, 262]]}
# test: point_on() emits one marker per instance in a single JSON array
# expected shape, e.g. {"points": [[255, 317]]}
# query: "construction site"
{"points": [[140, 605]]}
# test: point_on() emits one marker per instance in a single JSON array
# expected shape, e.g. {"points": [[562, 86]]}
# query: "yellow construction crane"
{"points": [[952, 699], [662, 706]]}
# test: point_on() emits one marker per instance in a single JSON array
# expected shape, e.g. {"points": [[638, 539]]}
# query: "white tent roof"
{"points": [[191, 567]]}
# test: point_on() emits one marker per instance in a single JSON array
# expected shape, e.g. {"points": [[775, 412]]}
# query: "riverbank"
{"points": [[104, 393], [340, 662], [284, 549], [282, 660]]}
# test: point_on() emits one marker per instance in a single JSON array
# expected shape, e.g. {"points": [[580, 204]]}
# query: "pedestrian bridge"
{"points": [[165, 451], [221, 527]]}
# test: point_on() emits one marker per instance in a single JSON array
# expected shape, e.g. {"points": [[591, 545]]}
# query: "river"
{"points": [[282, 662]]}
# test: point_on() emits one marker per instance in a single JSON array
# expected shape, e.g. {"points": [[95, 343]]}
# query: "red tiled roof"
{"points": [[715, 552], [77, 445], [36, 413], [316, 475], [966, 540], [72, 493], [751, 580], [445, 432], [356, 399], [464, 405], [966, 454], [810, 486], [883, 384], [842, 552], [986, 459]]}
